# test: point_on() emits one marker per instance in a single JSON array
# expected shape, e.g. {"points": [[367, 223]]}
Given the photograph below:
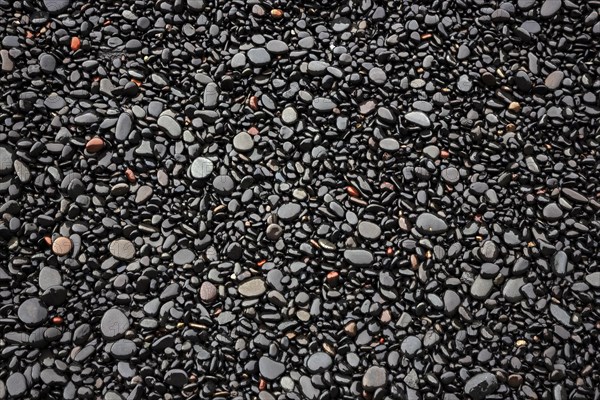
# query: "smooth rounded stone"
{"points": [[593, 279], [16, 385], [451, 175], [176, 377], [574, 196], [169, 126], [201, 168], [410, 346], [323, 104], [451, 302], [550, 8], [481, 385], [259, 56], [359, 257], [277, 47], [289, 115], [418, 118], [560, 264], [114, 324], [62, 246], [274, 232], [32, 312], [123, 349], [560, 314], [432, 151], [307, 42], [238, 60], [47, 62], [252, 287], [223, 184], [208, 292], [270, 369], [6, 160], [378, 76], [122, 249], [374, 378], [369, 230], [49, 277], [319, 362], [289, 212], [307, 389], [512, 289], [54, 102], [552, 212], [56, 6], [124, 125], [389, 144], [429, 224], [211, 96], [481, 288], [317, 68], [243, 142], [183, 256], [341, 24]]}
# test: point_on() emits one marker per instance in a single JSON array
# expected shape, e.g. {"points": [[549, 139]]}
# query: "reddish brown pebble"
{"points": [[253, 103], [333, 277], [94, 145], [389, 251], [444, 154], [130, 175], [276, 13], [253, 131], [48, 240], [62, 246], [262, 384], [350, 329], [57, 320], [75, 43], [352, 191], [515, 380], [261, 263]]}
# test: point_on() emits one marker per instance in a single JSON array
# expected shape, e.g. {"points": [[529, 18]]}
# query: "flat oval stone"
{"points": [[429, 224], [32, 312], [418, 118], [389, 144], [369, 230], [560, 314], [16, 385], [259, 56], [201, 168], [481, 385], [114, 324], [550, 8], [289, 211], [277, 47], [208, 292], [124, 125], [359, 257], [410, 346], [122, 249], [252, 287], [183, 256]]}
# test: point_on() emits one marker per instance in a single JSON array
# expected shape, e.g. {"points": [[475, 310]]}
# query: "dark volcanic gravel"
{"points": [[227, 199]]}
